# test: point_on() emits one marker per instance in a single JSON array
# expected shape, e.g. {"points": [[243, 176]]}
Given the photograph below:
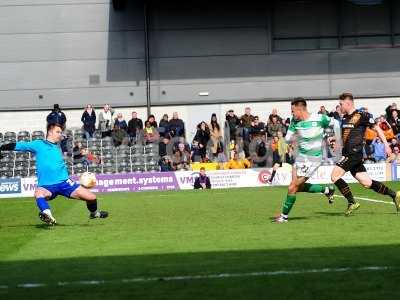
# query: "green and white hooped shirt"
{"points": [[309, 134]]}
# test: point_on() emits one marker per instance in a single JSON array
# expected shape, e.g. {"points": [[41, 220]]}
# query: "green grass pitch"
{"points": [[173, 245]]}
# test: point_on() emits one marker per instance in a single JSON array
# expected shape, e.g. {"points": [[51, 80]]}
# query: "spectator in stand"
{"points": [[165, 164], [215, 134], [322, 110], [394, 122], [286, 125], [181, 160], [203, 181], [274, 127], [387, 130], [220, 158], [395, 156], [196, 153], [120, 121], [379, 150], [56, 116], [203, 136], [176, 126], [245, 122], [164, 147], [119, 136], [163, 128], [106, 121], [236, 163], [390, 108], [150, 133], [257, 127], [135, 125], [232, 124], [77, 155], [274, 113], [89, 121], [337, 113], [152, 120]]}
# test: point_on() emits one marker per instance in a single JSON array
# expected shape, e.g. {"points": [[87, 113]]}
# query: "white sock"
{"points": [[47, 212], [326, 190]]}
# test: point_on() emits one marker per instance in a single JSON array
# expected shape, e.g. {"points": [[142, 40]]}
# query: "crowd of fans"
{"points": [[239, 141]]}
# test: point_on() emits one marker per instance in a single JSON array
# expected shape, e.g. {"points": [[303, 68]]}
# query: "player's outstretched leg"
{"points": [[44, 208], [380, 188], [91, 202], [327, 190]]}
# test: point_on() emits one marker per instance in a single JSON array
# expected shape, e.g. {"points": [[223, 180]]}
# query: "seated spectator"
{"points": [[135, 125], [181, 159], [202, 136], [119, 136], [165, 164], [181, 140], [395, 156], [150, 133], [387, 130], [89, 121], [215, 134], [390, 108], [274, 113], [232, 124], [164, 147], [89, 158], [176, 126], [257, 127], [152, 120], [394, 122], [203, 181], [322, 110], [196, 152], [220, 158], [163, 128], [259, 152], [77, 155], [274, 127], [379, 150], [236, 163], [120, 121], [337, 113]]}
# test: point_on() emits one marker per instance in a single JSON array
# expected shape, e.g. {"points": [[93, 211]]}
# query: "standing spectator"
{"points": [[176, 126], [120, 121], [56, 116], [203, 136], [203, 181], [89, 121], [322, 110], [394, 122], [196, 152], [181, 158], [274, 127], [215, 134], [152, 120], [245, 122], [232, 123], [390, 108], [106, 121], [274, 113], [150, 133], [163, 128], [379, 150], [135, 125]]}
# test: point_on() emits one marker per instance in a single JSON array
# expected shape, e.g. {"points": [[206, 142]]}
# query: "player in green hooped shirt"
{"points": [[309, 129]]}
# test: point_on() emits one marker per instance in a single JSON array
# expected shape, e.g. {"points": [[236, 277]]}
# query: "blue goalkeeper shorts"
{"points": [[65, 188]]}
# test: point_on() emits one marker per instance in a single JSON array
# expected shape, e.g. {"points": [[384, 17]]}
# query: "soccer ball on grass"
{"points": [[88, 180]]}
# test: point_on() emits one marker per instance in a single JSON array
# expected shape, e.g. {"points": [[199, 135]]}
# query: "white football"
{"points": [[87, 180]]}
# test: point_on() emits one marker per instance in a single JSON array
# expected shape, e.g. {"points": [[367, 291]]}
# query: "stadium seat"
{"points": [[10, 136], [23, 136], [37, 135]]}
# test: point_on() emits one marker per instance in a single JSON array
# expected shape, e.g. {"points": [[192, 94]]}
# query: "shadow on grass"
{"points": [[113, 269], [49, 227]]}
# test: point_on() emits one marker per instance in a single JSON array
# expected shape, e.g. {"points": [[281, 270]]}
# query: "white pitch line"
{"points": [[209, 276], [369, 200]]}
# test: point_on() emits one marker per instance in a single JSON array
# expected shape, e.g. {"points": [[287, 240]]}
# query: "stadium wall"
{"points": [[76, 51]]}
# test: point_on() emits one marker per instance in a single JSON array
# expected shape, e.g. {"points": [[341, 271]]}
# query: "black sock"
{"points": [[92, 205], [272, 176], [345, 190], [380, 188]]}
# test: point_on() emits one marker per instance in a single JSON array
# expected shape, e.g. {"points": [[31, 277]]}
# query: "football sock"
{"points": [[345, 190], [272, 176], [313, 188], [42, 204], [92, 205], [380, 188], [288, 204]]}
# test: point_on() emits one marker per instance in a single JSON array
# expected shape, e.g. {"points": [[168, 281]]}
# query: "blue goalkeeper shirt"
{"points": [[50, 165]]}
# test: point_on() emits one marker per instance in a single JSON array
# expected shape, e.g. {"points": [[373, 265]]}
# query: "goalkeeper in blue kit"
{"points": [[52, 174]]}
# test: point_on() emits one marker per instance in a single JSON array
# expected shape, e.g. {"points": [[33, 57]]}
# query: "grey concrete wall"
{"points": [[75, 52]]}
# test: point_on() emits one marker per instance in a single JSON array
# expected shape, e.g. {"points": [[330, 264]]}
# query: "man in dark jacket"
{"points": [[233, 124], [203, 181], [89, 121], [176, 126], [134, 125], [56, 116]]}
